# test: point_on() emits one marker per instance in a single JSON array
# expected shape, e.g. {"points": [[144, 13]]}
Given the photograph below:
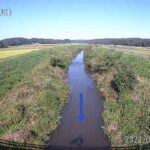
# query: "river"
{"points": [[89, 132]]}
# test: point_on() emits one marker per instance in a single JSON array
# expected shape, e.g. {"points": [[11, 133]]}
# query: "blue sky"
{"points": [[76, 19]]}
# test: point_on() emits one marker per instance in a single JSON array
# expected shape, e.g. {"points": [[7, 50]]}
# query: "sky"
{"points": [[75, 19]]}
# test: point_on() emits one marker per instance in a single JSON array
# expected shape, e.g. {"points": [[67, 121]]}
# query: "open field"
{"points": [[133, 50], [140, 51], [33, 91], [22, 49], [10, 53], [124, 80], [37, 46]]}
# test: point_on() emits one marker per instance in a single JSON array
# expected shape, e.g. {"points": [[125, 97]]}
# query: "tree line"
{"points": [[120, 41], [108, 41], [24, 41], [123, 41]]}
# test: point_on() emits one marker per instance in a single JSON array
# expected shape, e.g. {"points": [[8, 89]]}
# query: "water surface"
{"points": [[72, 132]]}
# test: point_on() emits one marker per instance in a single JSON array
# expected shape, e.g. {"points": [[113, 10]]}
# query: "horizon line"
{"points": [[77, 38]]}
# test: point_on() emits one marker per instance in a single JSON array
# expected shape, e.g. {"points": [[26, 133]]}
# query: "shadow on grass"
{"points": [[9, 145]]}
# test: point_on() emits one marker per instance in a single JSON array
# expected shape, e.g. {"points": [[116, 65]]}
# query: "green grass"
{"points": [[14, 69], [126, 110], [139, 64], [33, 93]]}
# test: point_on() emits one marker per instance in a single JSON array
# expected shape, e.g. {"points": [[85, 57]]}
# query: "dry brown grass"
{"points": [[103, 83], [26, 95]]}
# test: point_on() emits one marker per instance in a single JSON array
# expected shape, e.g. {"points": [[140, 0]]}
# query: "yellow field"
{"points": [[21, 49], [10, 53]]}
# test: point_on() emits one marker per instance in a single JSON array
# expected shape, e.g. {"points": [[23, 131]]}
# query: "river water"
{"points": [[72, 132]]}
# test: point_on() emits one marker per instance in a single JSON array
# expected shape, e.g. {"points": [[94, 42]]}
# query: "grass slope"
{"points": [[124, 80], [33, 92], [14, 69]]}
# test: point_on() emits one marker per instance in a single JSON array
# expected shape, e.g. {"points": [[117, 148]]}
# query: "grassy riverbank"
{"points": [[124, 80], [33, 91]]}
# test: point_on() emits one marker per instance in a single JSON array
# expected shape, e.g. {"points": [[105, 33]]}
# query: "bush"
{"points": [[102, 66], [57, 62], [124, 79], [102, 63]]}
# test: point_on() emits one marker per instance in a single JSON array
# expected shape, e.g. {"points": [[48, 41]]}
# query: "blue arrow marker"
{"points": [[81, 117]]}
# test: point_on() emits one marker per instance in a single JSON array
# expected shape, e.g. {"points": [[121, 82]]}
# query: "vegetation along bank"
{"points": [[33, 91], [124, 80]]}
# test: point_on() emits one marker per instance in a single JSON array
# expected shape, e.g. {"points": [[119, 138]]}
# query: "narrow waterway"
{"points": [[72, 132]]}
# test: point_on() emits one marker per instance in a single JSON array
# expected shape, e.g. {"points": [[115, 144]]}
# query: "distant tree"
{"points": [[24, 41], [108, 41], [2, 45], [67, 41], [126, 41]]}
